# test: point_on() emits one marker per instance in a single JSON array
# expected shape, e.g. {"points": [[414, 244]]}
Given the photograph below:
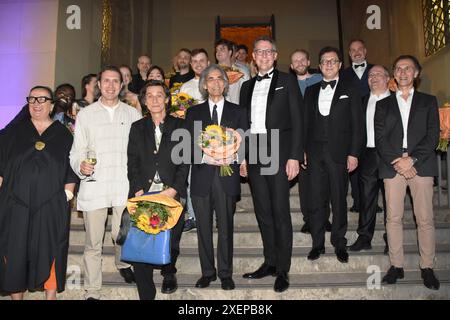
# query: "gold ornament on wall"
{"points": [[106, 31]]}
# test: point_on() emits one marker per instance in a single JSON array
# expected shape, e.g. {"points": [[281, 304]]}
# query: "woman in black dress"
{"points": [[36, 182]]}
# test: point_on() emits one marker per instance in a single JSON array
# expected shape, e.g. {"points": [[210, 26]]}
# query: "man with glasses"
{"points": [[406, 137], [334, 140], [274, 106]]}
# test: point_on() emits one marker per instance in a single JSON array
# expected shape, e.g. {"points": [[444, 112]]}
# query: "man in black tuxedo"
{"points": [[334, 141], [211, 192], [406, 137], [369, 182], [151, 168], [273, 102], [357, 75]]}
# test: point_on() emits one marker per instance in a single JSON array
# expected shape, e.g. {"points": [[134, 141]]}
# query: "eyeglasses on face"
{"points": [[331, 62], [264, 52], [32, 100]]}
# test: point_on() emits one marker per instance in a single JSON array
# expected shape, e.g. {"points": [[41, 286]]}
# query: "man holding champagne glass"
{"points": [[100, 144]]}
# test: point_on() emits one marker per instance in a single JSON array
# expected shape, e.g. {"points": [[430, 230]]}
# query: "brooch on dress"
{"points": [[39, 145]]}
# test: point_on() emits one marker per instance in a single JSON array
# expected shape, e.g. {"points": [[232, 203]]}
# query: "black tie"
{"points": [[215, 118], [259, 78], [356, 66], [324, 84]]}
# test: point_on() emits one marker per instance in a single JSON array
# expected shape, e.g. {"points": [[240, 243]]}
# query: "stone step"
{"points": [[324, 286], [250, 236], [248, 259]]}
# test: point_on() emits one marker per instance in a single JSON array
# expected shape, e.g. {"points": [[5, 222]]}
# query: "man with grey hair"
{"points": [[275, 109], [211, 192], [369, 182]]}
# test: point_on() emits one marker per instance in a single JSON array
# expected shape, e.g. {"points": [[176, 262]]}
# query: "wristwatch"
{"points": [[414, 160]]}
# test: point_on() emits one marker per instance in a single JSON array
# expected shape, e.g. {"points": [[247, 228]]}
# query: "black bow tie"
{"points": [[356, 66], [324, 84], [259, 78]]}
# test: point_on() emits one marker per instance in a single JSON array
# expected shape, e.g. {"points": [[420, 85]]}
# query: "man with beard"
{"points": [[184, 73]]}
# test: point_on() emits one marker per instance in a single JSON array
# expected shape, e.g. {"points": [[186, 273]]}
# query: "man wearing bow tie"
{"points": [[357, 75], [334, 140], [273, 102]]}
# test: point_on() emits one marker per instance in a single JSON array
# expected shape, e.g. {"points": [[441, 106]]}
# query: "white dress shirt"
{"points": [[326, 97], [219, 105], [405, 108], [370, 114], [360, 70], [259, 104]]}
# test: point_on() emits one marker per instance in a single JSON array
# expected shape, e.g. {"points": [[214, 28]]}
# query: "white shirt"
{"points": [[405, 108], [259, 104], [111, 110], [360, 70], [192, 89], [155, 186], [326, 97], [219, 105], [370, 114]]}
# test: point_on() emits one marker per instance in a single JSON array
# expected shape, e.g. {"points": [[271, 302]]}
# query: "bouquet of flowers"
{"points": [[154, 213], [444, 120], [180, 102], [233, 74], [220, 145], [176, 88]]}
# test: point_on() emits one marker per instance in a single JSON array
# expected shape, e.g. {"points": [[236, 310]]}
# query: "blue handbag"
{"points": [[146, 248]]}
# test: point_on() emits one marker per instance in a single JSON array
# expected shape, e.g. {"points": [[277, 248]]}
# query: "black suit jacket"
{"points": [[202, 174], [346, 133], [349, 76], [423, 134], [144, 160], [284, 112]]}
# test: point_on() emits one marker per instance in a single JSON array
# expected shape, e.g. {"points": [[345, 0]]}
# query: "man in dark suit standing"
{"points": [[273, 102], [357, 75], [369, 182], [406, 137], [151, 168], [334, 140], [211, 192]]}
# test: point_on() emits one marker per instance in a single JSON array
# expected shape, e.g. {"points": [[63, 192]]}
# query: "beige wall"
{"points": [[191, 24], [78, 52], [27, 51]]}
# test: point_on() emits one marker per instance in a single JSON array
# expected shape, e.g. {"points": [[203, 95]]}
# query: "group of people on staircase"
{"points": [[323, 127]]}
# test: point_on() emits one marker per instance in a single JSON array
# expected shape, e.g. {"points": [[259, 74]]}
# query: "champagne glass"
{"points": [[91, 159]]}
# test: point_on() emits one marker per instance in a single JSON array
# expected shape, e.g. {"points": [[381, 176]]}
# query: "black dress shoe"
{"points": [[263, 271], [127, 274], [328, 226], [342, 255], [429, 279], [393, 274], [281, 282], [92, 298], [204, 282], [315, 253], [169, 284], [360, 244], [227, 284], [305, 228]]}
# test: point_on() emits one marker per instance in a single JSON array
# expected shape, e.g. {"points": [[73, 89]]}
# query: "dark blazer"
{"points": [[423, 134], [346, 133], [233, 117], [349, 75], [143, 159], [284, 112]]}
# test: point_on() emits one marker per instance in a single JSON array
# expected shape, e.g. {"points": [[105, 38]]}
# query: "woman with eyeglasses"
{"points": [[36, 183]]}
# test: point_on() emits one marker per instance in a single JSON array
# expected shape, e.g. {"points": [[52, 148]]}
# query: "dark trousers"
{"points": [[270, 195], [305, 196], [369, 186], [143, 272], [328, 180], [224, 206], [356, 192]]}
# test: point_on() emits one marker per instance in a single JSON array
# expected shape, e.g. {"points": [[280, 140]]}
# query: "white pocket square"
{"points": [[279, 88], [343, 97]]}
